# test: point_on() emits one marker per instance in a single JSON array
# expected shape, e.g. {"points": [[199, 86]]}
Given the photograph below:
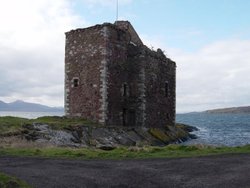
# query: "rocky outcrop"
{"points": [[106, 137]]}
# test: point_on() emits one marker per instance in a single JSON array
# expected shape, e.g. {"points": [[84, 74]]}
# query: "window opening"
{"points": [[118, 36], [75, 82], [131, 118], [168, 116], [125, 88], [166, 89], [124, 116]]}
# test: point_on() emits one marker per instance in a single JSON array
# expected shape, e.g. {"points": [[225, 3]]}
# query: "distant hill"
{"points": [[243, 109], [27, 107]]}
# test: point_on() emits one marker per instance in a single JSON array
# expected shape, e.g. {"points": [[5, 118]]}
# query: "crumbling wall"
{"points": [[123, 79], [126, 26], [120, 82], [160, 89], [155, 86]]}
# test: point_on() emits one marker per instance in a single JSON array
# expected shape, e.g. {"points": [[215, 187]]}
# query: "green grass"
{"points": [[11, 125], [57, 122], [9, 181], [170, 151], [14, 125]]}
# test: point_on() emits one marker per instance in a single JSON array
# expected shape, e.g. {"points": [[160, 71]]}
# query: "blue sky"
{"points": [[186, 24], [208, 39]]}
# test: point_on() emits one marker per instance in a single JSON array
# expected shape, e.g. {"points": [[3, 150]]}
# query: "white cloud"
{"points": [[32, 49], [215, 76]]}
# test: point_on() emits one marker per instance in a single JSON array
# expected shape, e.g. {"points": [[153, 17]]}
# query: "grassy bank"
{"points": [[171, 151], [12, 145], [9, 181], [14, 125], [81, 133]]}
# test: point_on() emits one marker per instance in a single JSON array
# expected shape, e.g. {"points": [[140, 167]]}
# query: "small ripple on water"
{"points": [[219, 129]]}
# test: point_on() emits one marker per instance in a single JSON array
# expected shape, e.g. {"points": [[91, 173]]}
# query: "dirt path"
{"points": [[214, 171]]}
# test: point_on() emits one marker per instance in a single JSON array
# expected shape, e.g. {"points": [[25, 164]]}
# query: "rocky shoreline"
{"points": [[105, 137]]}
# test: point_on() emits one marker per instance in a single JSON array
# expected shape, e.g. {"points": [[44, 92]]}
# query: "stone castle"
{"points": [[112, 78]]}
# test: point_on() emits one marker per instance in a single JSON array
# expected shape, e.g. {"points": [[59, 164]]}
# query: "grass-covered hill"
{"points": [[244, 109]]}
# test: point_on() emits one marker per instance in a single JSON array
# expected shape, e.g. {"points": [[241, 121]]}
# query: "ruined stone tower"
{"points": [[113, 79]]}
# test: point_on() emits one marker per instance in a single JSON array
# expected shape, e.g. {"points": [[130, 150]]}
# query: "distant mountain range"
{"points": [[27, 107], [243, 109]]}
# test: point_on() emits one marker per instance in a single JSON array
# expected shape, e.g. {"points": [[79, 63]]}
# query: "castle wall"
{"points": [[150, 80], [160, 89], [133, 36], [123, 102], [155, 85], [85, 60], [115, 81]]}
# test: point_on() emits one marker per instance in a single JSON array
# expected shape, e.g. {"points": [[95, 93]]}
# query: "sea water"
{"points": [[30, 115], [218, 129]]}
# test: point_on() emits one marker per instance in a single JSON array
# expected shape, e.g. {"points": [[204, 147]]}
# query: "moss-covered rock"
{"points": [[172, 134], [160, 134]]}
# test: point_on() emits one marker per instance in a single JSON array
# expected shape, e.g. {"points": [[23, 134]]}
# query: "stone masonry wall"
{"points": [[85, 60], [160, 89], [155, 86], [113, 79], [133, 36], [123, 106]]}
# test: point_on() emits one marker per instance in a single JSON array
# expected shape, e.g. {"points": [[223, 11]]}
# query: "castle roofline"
{"points": [[125, 26], [91, 27]]}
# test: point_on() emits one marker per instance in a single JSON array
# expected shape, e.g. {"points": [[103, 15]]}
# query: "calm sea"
{"points": [[30, 115], [218, 129], [214, 129]]}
